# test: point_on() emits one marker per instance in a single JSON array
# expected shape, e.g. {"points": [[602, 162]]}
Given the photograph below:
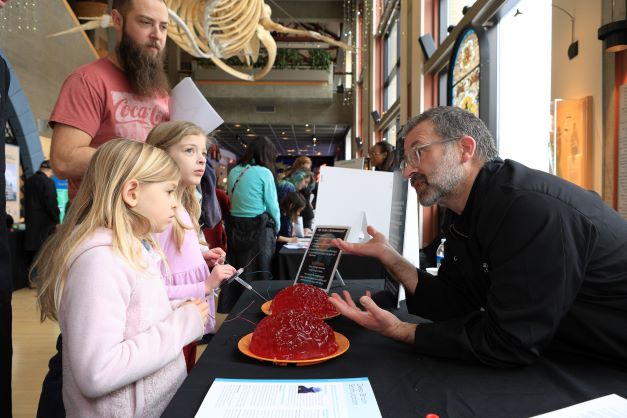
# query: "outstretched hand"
{"points": [[376, 247], [373, 317]]}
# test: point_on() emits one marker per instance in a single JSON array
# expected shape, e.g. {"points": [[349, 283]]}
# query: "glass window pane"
{"points": [[451, 13], [391, 47], [391, 92]]}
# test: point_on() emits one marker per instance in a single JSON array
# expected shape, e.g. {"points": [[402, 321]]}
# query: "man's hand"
{"points": [[377, 247], [374, 318], [214, 256]]}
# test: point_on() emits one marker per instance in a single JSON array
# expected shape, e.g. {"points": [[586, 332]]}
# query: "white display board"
{"points": [[411, 239], [355, 198], [357, 163]]}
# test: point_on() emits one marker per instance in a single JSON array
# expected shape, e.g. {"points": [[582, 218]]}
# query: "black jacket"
{"points": [[6, 284], [41, 210], [532, 263], [307, 213]]}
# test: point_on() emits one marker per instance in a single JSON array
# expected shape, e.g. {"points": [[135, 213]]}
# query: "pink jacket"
{"points": [[122, 339], [187, 268]]}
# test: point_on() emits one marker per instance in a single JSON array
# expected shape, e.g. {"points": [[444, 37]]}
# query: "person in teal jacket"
{"points": [[254, 221]]}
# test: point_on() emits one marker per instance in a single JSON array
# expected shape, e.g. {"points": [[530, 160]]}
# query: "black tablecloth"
{"points": [[404, 384], [350, 267]]}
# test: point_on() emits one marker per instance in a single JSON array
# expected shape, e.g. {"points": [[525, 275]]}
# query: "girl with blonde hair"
{"points": [[98, 276], [188, 275]]}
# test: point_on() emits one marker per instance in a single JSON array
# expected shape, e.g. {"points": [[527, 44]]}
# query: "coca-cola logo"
{"points": [[128, 109]]}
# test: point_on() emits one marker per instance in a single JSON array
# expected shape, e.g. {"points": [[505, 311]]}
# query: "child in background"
{"points": [[98, 276], [188, 275], [291, 206]]}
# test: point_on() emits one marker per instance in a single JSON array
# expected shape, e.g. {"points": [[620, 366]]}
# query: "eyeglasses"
{"points": [[412, 159], [376, 153]]}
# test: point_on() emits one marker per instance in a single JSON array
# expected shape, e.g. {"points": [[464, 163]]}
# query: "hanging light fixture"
{"points": [[614, 34], [573, 48]]}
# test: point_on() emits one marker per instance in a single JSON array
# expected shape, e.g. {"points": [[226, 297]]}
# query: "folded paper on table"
{"points": [[188, 103], [610, 406]]}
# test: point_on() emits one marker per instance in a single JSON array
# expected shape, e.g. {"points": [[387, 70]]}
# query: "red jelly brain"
{"points": [[303, 297], [293, 335]]}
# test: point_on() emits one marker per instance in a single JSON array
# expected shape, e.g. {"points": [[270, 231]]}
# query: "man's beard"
{"points": [[443, 182], [144, 71]]}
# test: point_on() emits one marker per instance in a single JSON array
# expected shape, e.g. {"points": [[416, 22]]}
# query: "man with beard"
{"points": [[534, 264], [122, 95]]}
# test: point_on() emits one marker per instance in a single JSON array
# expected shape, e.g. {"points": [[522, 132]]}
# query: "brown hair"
{"points": [[291, 203], [299, 163], [123, 6], [386, 148]]}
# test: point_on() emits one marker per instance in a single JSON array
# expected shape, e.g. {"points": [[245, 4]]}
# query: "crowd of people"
{"points": [[131, 273], [144, 205]]}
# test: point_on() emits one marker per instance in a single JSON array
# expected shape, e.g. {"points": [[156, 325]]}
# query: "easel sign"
{"points": [[319, 264]]}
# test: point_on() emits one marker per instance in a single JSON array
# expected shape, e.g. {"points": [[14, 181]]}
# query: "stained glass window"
{"points": [[466, 73]]}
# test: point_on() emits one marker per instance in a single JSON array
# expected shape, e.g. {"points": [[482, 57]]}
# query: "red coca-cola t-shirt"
{"points": [[97, 99]]}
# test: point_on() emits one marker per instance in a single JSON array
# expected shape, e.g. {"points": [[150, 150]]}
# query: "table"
{"points": [[405, 384], [350, 267]]}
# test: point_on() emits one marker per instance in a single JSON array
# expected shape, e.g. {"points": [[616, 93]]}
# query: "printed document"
{"points": [[315, 398]]}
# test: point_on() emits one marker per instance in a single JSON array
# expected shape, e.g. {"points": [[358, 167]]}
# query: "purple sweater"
{"points": [[188, 268], [122, 339]]}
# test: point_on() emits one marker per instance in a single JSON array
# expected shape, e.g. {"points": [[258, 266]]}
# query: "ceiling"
{"points": [[295, 139], [288, 139]]}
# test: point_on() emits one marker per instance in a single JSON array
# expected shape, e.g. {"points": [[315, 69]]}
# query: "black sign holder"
{"points": [[319, 264]]}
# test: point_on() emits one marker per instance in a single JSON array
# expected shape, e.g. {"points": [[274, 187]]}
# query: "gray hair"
{"points": [[454, 122]]}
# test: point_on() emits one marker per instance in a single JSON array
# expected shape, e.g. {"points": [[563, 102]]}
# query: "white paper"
{"points": [[610, 406], [310, 398], [299, 229], [188, 103]]}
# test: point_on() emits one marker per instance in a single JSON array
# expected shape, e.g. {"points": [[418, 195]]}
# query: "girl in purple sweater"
{"points": [[98, 275], [188, 275]]}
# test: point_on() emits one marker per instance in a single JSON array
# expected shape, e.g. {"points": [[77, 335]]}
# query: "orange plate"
{"points": [[244, 346], [266, 308]]}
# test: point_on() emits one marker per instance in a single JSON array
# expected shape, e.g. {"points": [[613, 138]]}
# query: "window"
{"points": [[524, 91], [391, 63], [451, 12], [464, 80]]}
